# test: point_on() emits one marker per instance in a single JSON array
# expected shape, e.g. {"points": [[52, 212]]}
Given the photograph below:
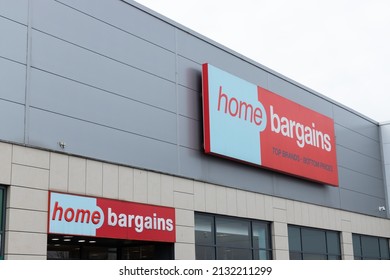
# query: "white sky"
{"points": [[339, 48]]}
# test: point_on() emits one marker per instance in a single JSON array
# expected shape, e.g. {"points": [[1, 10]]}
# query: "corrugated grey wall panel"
{"points": [[357, 142], [132, 20], [190, 103], [95, 35], [353, 122], [386, 151], [96, 141], [11, 130], [358, 182], [355, 201], [201, 52], [70, 61], [192, 164], [299, 95], [12, 81], [16, 10], [385, 133], [13, 52], [189, 74], [13, 38], [238, 175], [66, 97], [302, 189], [190, 133], [359, 162]]}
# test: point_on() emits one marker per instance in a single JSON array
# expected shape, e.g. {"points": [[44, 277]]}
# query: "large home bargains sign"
{"points": [[248, 123], [99, 217]]}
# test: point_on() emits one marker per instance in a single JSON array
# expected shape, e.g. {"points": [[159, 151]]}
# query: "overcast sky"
{"points": [[339, 48]]}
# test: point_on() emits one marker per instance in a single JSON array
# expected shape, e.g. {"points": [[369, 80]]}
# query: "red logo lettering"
{"points": [[240, 109]]}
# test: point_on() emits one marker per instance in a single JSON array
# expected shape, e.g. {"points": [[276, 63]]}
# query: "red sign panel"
{"points": [[100, 217], [248, 123]]}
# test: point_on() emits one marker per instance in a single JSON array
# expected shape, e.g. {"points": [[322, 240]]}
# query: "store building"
{"points": [[111, 149]]}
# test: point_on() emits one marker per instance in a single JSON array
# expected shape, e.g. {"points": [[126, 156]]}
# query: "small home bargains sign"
{"points": [[248, 123], [99, 217]]}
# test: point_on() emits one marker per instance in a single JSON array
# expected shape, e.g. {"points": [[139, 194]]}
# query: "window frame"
{"points": [[359, 255], [3, 190], [254, 251], [301, 253]]}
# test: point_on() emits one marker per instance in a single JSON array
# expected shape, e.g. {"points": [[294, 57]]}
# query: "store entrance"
{"points": [[64, 247]]}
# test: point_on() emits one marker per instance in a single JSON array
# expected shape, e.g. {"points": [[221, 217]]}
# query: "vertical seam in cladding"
{"points": [[177, 104], [28, 74], [337, 159]]}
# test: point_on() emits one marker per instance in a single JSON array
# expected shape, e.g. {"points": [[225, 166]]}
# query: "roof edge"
{"points": [[245, 58]]}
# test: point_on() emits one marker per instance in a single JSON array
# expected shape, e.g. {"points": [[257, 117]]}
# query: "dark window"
{"points": [[313, 244], [2, 221], [232, 232], [333, 243], [227, 238], [60, 247], [367, 247]]}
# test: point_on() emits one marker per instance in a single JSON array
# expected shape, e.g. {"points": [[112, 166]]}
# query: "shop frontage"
{"points": [[83, 227], [128, 136], [52, 211]]}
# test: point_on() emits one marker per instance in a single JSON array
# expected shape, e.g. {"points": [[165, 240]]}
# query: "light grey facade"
{"points": [[118, 83]]}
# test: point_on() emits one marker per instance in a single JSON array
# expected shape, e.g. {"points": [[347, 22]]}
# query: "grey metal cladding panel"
{"points": [[13, 38], [200, 51], [192, 164], [355, 123], [385, 133], [128, 18], [359, 162], [358, 182], [299, 95], [12, 125], [190, 103], [189, 74], [303, 190], [16, 10], [361, 203], [195, 164], [190, 133], [12, 81], [235, 174], [386, 153], [100, 142], [387, 175], [98, 36], [357, 142], [56, 56], [66, 97]]}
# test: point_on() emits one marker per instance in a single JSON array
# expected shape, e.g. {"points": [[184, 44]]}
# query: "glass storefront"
{"points": [[313, 244], [228, 238], [367, 247]]}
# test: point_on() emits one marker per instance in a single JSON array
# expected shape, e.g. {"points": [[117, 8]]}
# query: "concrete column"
{"points": [[279, 229], [280, 241], [346, 245]]}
